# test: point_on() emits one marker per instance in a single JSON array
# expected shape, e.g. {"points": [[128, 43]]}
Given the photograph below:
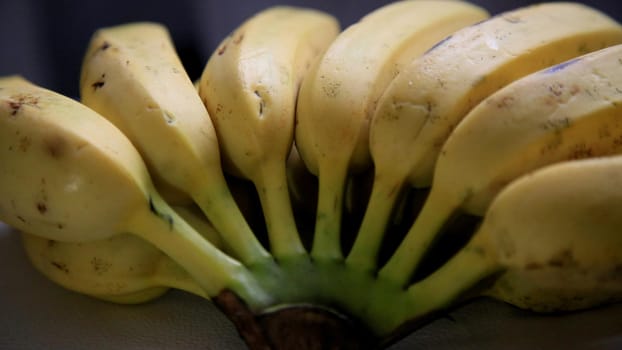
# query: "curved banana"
{"points": [[70, 175], [568, 111], [123, 269], [553, 233], [339, 95], [448, 83], [249, 86], [132, 75]]}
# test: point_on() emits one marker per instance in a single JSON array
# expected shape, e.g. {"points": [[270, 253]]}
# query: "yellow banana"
{"points": [[249, 86], [431, 95], [122, 269], [339, 95], [70, 175], [132, 75], [553, 233], [448, 82], [568, 111]]}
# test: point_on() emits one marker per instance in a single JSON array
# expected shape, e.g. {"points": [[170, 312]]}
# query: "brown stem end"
{"points": [[300, 327]]}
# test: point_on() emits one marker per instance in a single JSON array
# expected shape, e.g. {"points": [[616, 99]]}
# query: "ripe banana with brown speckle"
{"points": [[131, 75], [428, 99], [249, 86]]}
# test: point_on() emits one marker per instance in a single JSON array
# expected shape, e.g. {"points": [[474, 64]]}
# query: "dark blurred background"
{"points": [[44, 40]]}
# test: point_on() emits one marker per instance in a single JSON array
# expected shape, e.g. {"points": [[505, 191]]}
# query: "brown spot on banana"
{"points": [[16, 102], [55, 146], [556, 89], [261, 103], [563, 259], [61, 266], [99, 83], [24, 143], [222, 50], [581, 151], [505, 102], [15, 106], [100, 266], [42, 207], [533, 266], [238, 39], [330, 88]]}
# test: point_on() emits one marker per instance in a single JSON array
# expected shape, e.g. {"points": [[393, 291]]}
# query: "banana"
{"points": [[555, 236], [249, 86], [132, 75], [568, 111], [70, 175], [340, 92], [122, 269], [430, 96]]}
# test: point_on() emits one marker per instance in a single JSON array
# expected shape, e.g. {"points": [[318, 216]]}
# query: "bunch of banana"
{"points": [[339, 95], [250, 86], [426, 101], [93, 184], [484, 115], [568, 111], [132, 76]]}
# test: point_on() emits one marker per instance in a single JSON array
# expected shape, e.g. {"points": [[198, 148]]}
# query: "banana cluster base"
{"points": [[302, 327]]}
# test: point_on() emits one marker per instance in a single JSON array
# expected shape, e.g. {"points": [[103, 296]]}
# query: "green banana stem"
{"points": [[364, 253], [445, 286], [213, 270], [327, 239], [217, 203], [274, 196], [436, 211]]}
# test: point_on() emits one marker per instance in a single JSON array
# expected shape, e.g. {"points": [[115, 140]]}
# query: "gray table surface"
{"points": [[37, 314]]}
